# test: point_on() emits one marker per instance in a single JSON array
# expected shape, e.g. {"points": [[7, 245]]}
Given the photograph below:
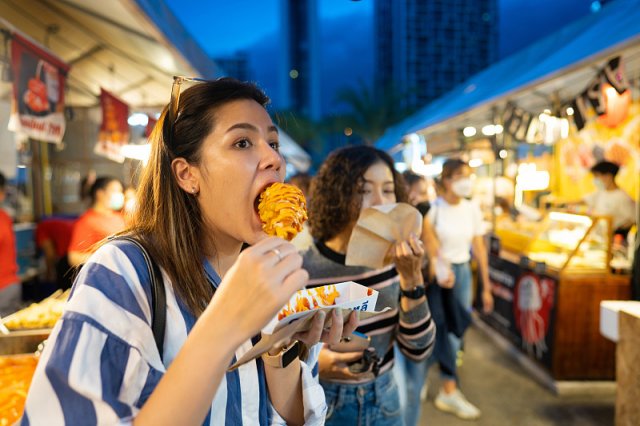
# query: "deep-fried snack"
{"points": [[320, 297], [283, 210]]}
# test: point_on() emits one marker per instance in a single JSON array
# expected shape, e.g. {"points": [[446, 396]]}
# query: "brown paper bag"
{"points": [[377, 230]]}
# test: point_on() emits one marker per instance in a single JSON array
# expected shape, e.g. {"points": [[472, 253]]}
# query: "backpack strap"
{"points": [[158, 295]]}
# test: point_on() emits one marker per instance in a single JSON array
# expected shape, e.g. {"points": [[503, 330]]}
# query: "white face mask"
{"points": [[598, 183], [117, 201], [130, 205], [462, 187]]}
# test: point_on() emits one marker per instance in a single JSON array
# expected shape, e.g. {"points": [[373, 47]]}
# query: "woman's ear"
{"points": [[187, 175]]}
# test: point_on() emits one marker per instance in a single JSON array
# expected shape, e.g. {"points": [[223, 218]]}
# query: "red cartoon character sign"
{"points": [[532, 304]]}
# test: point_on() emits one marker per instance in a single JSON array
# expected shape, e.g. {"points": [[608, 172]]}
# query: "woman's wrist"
{"points": [[412, 281], [216, 321]]}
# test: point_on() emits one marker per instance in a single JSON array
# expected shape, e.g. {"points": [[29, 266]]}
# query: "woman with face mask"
{"points": [[213, 152], [452, 232], [102, 219], [359, 385]]}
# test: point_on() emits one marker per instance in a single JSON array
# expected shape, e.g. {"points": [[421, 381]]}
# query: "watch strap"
{"points": [[283, 358], [416, 293]]}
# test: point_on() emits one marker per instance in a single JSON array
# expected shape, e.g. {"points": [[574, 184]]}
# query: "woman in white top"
{"points": [[452, 231], [213, 152]]}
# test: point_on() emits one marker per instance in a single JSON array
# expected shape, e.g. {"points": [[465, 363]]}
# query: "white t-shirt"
{"points": [[616, 203], [455, 226]]}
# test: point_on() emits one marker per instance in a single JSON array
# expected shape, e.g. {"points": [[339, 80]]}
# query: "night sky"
{"points": [[224, 27]]}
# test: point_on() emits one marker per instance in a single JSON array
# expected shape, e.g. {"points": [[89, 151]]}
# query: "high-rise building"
{"points": [[424, 48], [300, 60], [236, 66]]}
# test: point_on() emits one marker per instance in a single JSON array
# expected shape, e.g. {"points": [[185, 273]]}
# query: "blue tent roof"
{"points": [[584, 41]]}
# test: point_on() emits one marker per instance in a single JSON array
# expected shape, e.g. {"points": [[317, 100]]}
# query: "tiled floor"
{"points": [[504, 391]]}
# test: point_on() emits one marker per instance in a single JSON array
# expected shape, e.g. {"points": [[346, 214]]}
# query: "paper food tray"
{"points": [[352, 297]]}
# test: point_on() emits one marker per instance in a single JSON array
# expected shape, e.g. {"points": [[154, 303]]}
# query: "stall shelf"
{"points": [[548, 279]]}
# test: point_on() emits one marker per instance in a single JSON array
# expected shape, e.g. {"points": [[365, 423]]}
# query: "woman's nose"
{"points": [[377, 198], [271, 159]]}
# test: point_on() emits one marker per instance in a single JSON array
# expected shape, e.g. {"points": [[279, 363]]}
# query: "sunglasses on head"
{"points": [[172, 114]]}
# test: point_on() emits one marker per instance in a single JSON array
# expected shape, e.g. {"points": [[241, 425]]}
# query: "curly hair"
{"points": [[335, 191]]}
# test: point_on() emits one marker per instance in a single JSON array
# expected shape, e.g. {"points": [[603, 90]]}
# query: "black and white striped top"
{"points": [[413, 331]]}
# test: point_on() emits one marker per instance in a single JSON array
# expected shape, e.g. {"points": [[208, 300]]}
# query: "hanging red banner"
{"points": [[150, 125], [38, 91], [114, 131]]}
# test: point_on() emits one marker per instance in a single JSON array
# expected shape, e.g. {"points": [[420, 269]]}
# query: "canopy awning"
{"points": [[131, 48], [558, 66]]}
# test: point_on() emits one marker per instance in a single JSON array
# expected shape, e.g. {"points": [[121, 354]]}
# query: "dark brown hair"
{"points": [[101, 183], [449, 168], [335, 191], [167, 219]]}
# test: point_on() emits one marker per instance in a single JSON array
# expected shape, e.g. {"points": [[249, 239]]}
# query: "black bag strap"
{"points": [[158, 295]]}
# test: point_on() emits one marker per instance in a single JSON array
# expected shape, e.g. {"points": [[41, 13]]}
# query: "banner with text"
{"points": [[38, 91], [114, 131]]}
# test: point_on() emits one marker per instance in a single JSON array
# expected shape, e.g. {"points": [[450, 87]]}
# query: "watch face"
{"points": [[416, 293], [290, 355]]}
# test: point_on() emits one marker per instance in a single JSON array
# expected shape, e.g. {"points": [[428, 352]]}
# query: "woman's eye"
{"points": [[243, 143], [275, 146], [389, 192]]}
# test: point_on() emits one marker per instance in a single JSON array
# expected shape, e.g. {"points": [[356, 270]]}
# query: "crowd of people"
{"points": [[214, 149]]}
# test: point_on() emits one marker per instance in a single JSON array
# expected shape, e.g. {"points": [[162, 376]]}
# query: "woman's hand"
{"points": [[487, 301], [328, 329], [449, 281], [335, 365], [259, 284], [407, 257]]}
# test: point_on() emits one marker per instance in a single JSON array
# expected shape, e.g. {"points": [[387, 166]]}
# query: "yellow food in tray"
{"points": [[320, 296], [282, 209], [38, 315], [16, 373]]}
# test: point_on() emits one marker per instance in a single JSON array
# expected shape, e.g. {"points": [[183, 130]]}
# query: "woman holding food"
{"points": [[214, 151], [359, 385]]}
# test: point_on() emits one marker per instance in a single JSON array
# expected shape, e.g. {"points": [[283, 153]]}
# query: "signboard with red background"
{"points": [[114, 131], [38, 91]]}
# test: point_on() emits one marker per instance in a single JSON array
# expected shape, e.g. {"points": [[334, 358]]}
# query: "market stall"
{"points": [[549, 113]]}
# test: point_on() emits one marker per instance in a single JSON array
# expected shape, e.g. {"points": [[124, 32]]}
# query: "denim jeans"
{"points": [[463, 292], [375, 403], [410, 376]]}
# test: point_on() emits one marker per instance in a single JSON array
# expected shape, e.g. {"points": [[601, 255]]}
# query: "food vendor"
{"points": [[609, 199]]}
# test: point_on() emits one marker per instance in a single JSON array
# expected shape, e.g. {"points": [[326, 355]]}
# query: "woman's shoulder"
{"points": [[116, 274]]}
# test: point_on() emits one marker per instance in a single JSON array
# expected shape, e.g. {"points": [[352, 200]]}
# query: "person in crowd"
{"points": [[85, 186], [214, 150], [408, 372], [130, 203], [10, 288], [53, 236], [418, 191], [102, 219], [352, 179], [303, 240], [452, 231], [609, 199], [302, 181]]}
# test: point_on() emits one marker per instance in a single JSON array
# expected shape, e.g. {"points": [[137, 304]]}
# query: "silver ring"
{"points": [[277, 253]]}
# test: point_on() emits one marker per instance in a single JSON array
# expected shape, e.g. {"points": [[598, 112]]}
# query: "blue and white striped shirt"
{"points": [[101, 362]]}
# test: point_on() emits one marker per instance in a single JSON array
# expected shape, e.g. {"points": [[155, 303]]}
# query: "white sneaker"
{"points": [[456, 403], [424, 391]]}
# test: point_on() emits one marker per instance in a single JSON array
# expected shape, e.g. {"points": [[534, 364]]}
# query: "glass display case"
{"points": [[565, 242]]}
